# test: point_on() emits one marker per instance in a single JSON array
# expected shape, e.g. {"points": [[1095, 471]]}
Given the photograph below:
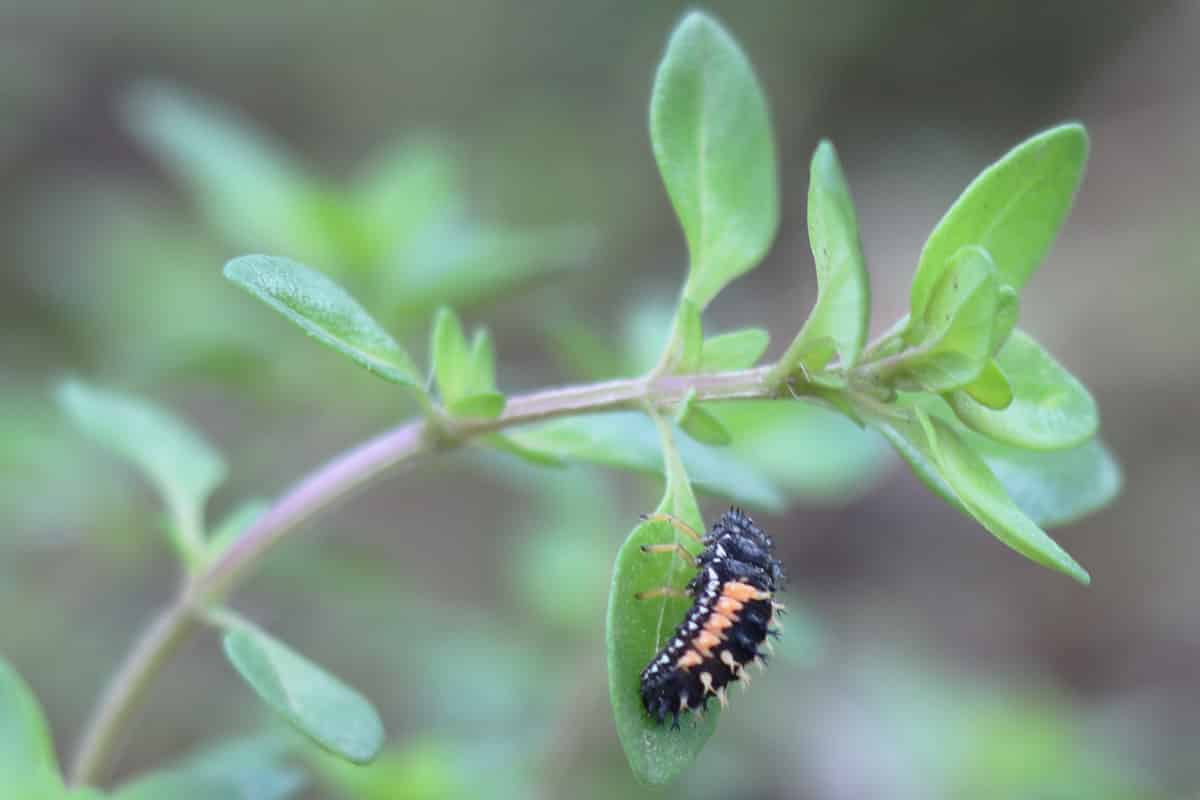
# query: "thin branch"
{"points": [[337, 479]]}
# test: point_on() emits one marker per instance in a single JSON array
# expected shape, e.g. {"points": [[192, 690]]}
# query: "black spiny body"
{"points": [[727, 626]]}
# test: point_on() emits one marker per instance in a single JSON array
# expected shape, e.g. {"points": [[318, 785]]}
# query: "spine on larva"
{"points": [[727, 628]]}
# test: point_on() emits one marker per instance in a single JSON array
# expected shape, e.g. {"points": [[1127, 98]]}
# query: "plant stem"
{"points": [[127, 687], [334, 481]]}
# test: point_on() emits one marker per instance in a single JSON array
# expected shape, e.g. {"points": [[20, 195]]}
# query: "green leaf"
{"points": [[488, 405], [460, 262], [991, 389], [1050, 409], [1057, 487], [246, 184], [26, 747], [424, 769], [465, 375], [908, 439], [326, 312], [314, 702], [178, 461], [956, 337], [450, 355], [843, 306], [712, 140], [814, 454], [482, 362], [699, 424], [1013, 210], [985, 499], [627, 440], [1052, 488], [638, 628], [241, 769], [407, 188], [740, 349]]}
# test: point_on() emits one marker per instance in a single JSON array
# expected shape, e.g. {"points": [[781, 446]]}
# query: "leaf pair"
{"points": [[465, 373]]}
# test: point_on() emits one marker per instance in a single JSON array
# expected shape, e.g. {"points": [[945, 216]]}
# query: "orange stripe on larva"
{"points": [[742, 592], [704, 642], [689, 659], [728, 607]]}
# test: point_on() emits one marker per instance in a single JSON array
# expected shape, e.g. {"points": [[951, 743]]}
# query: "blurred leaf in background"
{"points": [[398, 229]]}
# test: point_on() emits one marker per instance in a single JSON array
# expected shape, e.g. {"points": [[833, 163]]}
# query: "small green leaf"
{"points": [[1057, 487], [178, 461], [235, 524], [699, 424], [1052, 488], [450, 355], [487, 405], [535, 452], [482, 362], [985, 499], [638, 628], [955, 339], [326, 312], [740, 349], [626, 440], [991, 389], [425, 769], [242, 769], [909, 441], [407, 188], [712, 140], [1013, 210], [314, 702], [843, 305], [814, 454], [1050, 408], [246, 183], [26, 747], [465, 375]]}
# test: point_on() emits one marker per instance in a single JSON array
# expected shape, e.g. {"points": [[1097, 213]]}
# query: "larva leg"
{"points": [[676, 548], [675, 523]]}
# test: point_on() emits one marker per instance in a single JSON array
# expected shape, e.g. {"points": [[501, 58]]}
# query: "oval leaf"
{"points": [[26, 747], [991, 389], [1050, 408], [317, 704], [326, 312], [1013, 209], [843, 303], [243, 769], [637, 629], [735, 350], [245, 182], [178, 461], [699, 424], [1056, 487], [449, 355], [954, 341], [712, 140], [984, 497], [627, 440]]}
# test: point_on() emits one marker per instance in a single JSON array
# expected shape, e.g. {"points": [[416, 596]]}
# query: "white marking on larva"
{"points": [[677, 643]]}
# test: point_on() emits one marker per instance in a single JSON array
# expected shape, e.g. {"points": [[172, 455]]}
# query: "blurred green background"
{"points": [[494, 155]]}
